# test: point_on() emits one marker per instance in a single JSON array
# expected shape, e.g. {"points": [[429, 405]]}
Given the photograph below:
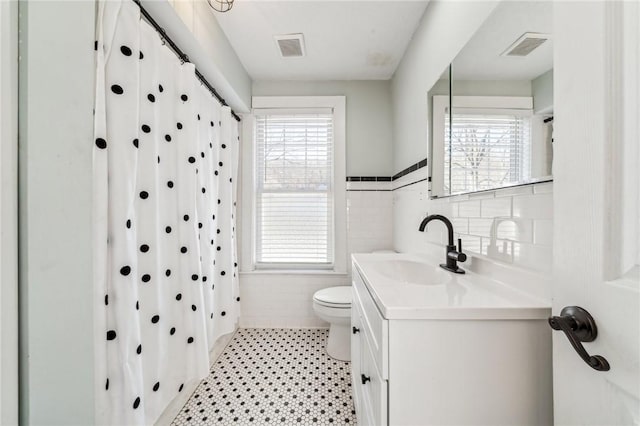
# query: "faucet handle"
{"points": [[461, 256]]}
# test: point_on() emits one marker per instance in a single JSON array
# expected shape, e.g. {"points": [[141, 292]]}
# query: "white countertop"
{"points": [[455, 296]]}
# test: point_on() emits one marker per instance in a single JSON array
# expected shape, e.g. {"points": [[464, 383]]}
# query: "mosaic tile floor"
{"points": [[273, 376]]}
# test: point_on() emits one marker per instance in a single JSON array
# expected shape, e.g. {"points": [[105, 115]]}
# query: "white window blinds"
{"points": [[486, 150], [294, 181]]}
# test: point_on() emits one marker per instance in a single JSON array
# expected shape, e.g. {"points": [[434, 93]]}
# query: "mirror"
{"points": [[499, 89]]}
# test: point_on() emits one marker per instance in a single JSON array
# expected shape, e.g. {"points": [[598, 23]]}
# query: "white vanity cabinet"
{"points": [[417, 364]]}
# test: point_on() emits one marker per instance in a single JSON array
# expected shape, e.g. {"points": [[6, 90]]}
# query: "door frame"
{"points": [[9, 212]]}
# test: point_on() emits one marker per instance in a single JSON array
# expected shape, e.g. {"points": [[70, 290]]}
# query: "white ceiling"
{"points": [[344, 39], [480, 59]]}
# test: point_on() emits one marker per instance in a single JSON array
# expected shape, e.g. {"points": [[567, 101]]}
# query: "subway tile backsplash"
{"points": [[511, 225], [369, 221], [468, 208], [516, 228], [537, 206], [496, 207]]}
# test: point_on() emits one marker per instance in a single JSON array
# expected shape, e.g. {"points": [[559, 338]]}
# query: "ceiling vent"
{"points": [[526, 44], [290, 45]]}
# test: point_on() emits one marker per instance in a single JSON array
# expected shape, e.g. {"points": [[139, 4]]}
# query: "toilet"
{"points": [[333, 305]]}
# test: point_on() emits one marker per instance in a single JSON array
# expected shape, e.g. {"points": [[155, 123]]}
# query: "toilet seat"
{"points": [[334, 297]]}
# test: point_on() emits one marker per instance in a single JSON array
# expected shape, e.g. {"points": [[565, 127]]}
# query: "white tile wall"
{"points": [[469, 208], [507, 228], [516, 227], [277, 300], [543, 232], [536, 206], [369, 221], [284, 300], [496, 207]]}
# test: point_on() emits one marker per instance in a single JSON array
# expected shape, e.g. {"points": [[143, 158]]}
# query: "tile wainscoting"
{"points": [[514, 226], [369, 220], [283, 300]]}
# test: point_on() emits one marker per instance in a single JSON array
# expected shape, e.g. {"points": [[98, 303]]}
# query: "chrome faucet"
{"points": [[453, 256]]}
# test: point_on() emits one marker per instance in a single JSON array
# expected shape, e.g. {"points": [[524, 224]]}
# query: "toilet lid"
{"points": [[334, 296]]}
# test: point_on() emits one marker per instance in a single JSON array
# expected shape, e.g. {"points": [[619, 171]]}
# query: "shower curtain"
{"points": [[165, 161]]}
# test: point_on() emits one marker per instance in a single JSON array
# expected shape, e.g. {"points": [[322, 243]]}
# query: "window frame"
{"points": [[248, 237]]}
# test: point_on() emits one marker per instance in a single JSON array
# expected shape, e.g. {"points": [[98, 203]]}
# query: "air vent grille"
{"points": [[290, 45], [526, 44]]}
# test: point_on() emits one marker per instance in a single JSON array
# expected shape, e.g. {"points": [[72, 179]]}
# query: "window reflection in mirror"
{"points": [[501, 133]]}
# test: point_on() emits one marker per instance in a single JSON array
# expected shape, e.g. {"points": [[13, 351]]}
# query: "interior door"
{"points": [[596, 207]]}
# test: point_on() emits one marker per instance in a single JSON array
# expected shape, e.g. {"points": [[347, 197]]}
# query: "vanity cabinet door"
{"points": [[375, 327], [370, 387], [373, 388], [356, 353]]}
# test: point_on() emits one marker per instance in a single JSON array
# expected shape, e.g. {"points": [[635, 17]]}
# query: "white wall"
{"points": [[524, 240], [369, 126], [56, 132], [9, 213], [542, 88]]}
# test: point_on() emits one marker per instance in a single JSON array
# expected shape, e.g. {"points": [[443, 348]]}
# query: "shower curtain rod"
{"points": [[183, 56]]}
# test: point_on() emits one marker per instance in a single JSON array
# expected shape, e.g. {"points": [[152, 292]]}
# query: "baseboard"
{"points": [[174, 407]]}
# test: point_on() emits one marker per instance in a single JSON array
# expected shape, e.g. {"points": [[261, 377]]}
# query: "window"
{"points": [[294, 184], [487, 150], [298, 183], [490, 144]]}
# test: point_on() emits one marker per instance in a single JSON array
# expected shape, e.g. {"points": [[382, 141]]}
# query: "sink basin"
{"points": [[412, 272]]}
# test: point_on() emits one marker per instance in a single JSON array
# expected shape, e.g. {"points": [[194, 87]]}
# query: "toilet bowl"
{"points": [[333, 305]]}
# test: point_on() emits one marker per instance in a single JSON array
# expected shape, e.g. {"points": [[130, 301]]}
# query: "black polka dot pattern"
{"points": [[156, 147], [273, 376], [101, 143], [126, 51]]}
